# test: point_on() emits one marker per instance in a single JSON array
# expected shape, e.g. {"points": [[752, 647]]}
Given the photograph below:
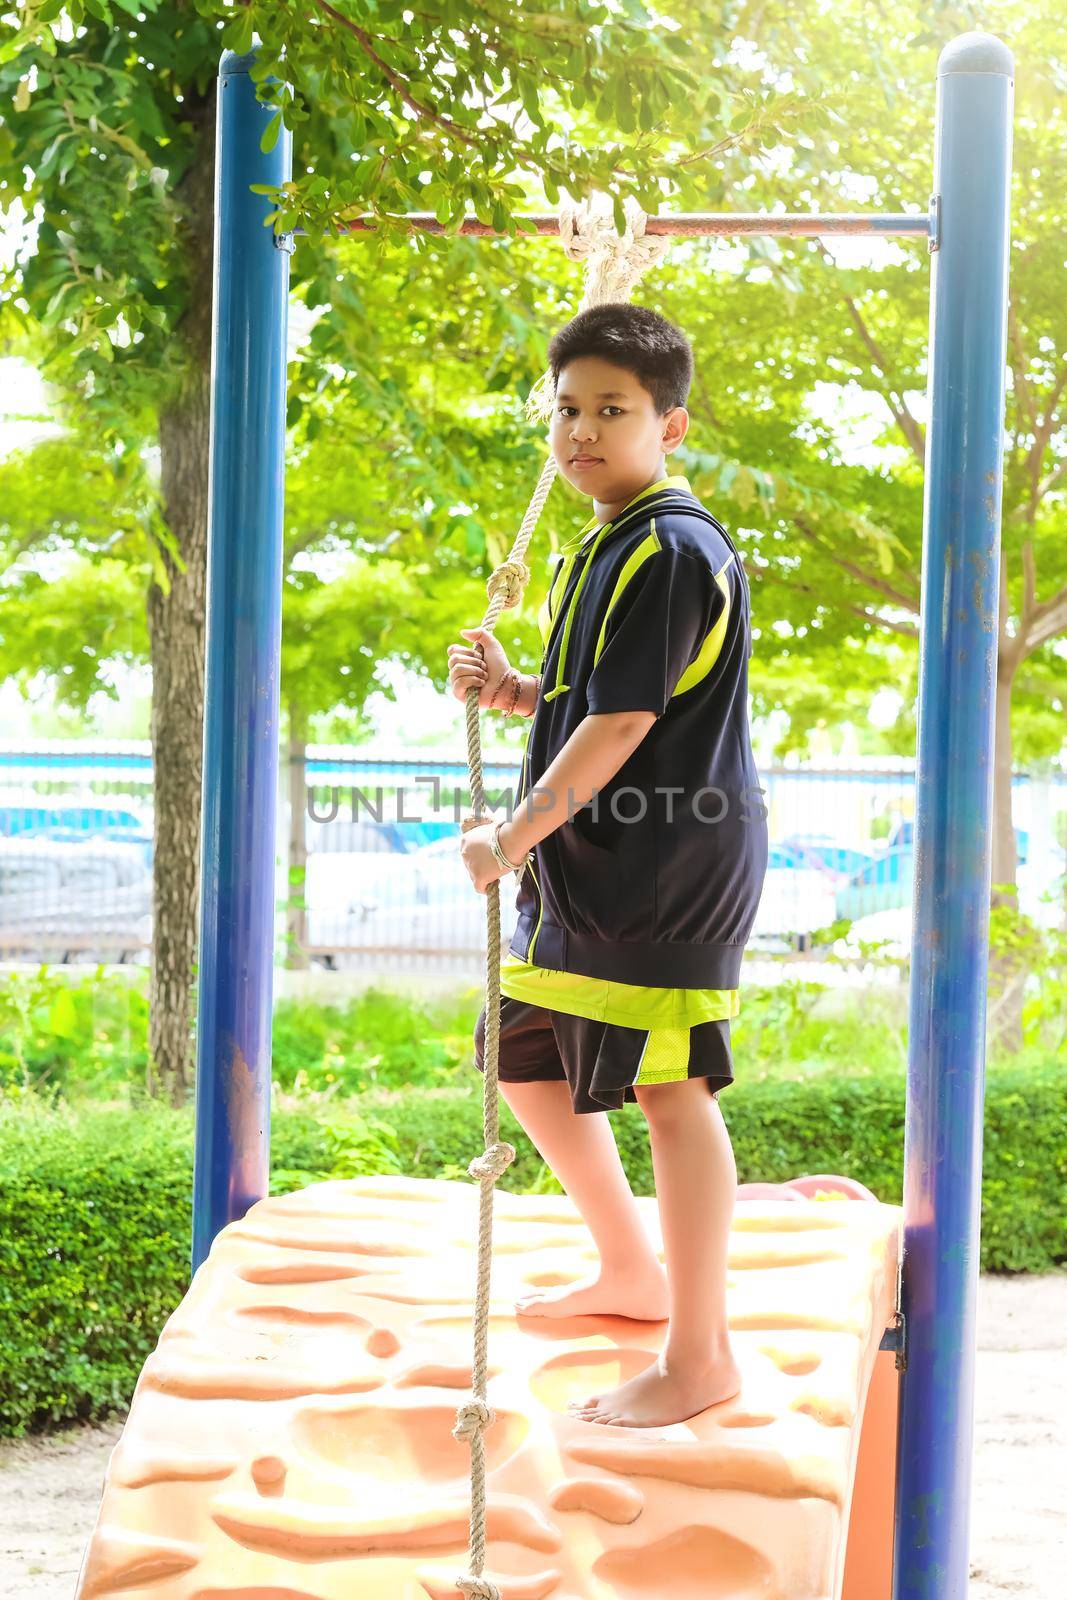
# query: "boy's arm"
{"points": [[652, 635], [589, 760]]}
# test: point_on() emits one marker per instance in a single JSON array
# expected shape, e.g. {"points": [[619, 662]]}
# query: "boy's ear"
{"points": [[675, 427]]}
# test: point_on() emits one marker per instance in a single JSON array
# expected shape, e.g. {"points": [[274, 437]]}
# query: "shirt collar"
{"points": [[674, 480]]}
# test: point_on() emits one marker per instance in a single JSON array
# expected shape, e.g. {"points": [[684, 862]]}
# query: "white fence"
{"points": [[385, 887]]}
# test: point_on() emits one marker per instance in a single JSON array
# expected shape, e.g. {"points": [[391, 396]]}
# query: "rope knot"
{"points": [[472, 1417], [511, 578], [493, 1162], [613, 263], [477, 1588]]}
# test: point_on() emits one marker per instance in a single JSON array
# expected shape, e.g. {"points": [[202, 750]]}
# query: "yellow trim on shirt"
{"points": [[709, 650], [673, 480], [645, 550]]}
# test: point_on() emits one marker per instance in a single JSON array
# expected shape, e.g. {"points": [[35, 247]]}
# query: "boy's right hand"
{"points": [[481, 665]]}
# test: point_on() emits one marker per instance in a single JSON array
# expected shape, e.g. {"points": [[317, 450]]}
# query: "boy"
{"points": [[622, 972]]}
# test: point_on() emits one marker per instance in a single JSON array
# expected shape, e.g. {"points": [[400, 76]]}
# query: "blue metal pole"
{"points": [[243, 651], [954, 787]]}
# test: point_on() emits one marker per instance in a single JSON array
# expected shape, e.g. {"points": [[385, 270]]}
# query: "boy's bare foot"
{"points": [[636, 1292], [657, 1397]]}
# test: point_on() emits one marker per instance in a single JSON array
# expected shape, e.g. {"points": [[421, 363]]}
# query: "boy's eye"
{"points": [[564, 409]]}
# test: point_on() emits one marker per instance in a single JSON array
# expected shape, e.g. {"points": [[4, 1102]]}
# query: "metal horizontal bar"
{"points": [[689, 225]]}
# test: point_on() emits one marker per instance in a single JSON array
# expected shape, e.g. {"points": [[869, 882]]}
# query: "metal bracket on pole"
{"points": [[286, 242], [896, 1338], [934, 241]]}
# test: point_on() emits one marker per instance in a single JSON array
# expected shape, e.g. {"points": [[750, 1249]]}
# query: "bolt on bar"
{"points": [[689, 225]]}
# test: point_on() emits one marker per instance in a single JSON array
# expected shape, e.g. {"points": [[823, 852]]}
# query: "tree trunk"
{"points": [[296, 922], [1007, 970], [176, 627]]}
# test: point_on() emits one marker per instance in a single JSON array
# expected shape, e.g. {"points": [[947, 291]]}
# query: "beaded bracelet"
{"points": [[514, 682]]}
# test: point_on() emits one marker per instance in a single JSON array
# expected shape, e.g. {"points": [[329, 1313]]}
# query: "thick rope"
{"points": [[614, 263]]}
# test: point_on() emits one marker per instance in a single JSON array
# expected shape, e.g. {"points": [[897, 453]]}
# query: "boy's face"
{"points": [[607, 437]]}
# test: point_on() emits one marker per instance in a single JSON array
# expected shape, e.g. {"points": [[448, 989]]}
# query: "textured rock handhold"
{"points": [[611, 1502], [121, 1559], [292, 1436]]}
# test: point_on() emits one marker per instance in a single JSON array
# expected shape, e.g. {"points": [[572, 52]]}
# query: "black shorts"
{"points": [[602, 1061]]}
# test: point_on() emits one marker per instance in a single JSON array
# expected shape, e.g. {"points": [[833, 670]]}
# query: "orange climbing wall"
{"points": [[290, 1438]]}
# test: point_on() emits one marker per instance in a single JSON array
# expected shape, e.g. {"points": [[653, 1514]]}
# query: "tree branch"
{"points": [[425, 113], [898, 597], [1029, 584], [1042, 434], [906, 628], [1008, 646], [723, 145], [872, 617], [1046, 621], [1053, 481], [701, 391], [1018, 367], [892, 395]]}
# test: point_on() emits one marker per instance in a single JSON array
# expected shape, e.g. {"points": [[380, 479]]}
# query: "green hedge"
{"points": [[95, 1208]]}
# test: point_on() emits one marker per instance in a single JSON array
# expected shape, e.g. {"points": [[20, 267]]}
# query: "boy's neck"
{"points": [[606, 511]]}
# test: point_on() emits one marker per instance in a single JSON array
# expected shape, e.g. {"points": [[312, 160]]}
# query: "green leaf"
{"points": [[271, 133], [238, 36], [624, 105]]}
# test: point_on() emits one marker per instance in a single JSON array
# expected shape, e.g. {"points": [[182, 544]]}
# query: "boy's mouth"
{"points": [[585, 461]]}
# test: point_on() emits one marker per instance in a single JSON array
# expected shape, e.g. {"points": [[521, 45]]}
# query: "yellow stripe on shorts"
{"points": [[665, 1058]]}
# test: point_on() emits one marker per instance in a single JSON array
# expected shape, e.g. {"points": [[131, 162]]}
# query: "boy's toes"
{"points": [[583, 1405]]}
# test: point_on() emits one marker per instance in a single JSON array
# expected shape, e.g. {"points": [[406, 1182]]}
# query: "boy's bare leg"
{"points": [[582, 1152], [696, 1182]]}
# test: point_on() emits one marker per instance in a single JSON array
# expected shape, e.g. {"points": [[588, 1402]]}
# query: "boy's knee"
{"points": [[668, 1103]]}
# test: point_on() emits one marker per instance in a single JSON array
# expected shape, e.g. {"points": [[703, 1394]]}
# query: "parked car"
{"points": [[354, 836], [60, 900], [423, 902], [15, 820], [438, 927], [796, 900], [1040, 889], [904, 834], [449, 912], [825, 853], [884, 884], [343, 888], [77, 824], [401, 836]]}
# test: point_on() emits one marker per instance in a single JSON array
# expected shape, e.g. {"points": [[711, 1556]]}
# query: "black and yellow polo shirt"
{"points": [[655, 883]]}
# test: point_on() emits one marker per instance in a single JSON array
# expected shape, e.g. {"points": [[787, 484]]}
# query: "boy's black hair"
{"points": [[657, 353]]}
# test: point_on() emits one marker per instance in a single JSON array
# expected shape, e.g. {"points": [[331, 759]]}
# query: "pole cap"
{"points": [[976, 52], [230, 63]]}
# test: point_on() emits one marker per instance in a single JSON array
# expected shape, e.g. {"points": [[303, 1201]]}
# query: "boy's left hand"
{"points": [[476, 855]]}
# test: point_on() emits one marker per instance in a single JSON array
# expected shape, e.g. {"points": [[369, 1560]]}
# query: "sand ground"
{"points": [[50, 1486]]}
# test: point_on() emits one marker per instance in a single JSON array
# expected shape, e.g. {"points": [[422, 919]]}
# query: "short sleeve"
{"points": [[654, 631]]}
